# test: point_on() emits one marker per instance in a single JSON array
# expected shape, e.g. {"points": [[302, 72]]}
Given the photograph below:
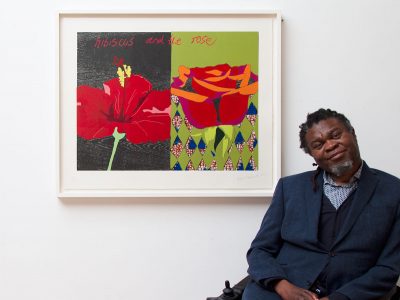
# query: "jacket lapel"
{"points": [[313, 205], [365, 189]]}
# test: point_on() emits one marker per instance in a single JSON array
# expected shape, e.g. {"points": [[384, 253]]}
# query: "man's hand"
{"points": [[288, 291]]}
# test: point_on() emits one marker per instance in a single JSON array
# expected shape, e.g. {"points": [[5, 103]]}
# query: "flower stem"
{"points": [[117, 137]]}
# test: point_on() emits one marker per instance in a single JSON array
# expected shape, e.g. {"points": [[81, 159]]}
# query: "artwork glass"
{"points": [[174, 101]]}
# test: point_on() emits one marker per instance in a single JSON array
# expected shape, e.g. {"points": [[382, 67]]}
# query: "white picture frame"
{"points": [[260, 183]]}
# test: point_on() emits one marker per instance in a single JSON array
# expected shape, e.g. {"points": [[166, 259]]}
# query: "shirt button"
{"points": [[331, 254]]}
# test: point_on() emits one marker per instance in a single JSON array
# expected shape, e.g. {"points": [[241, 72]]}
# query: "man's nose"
{"points": [[330, 145]]}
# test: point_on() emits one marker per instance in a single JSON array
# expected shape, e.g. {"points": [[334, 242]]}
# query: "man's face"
{"points": [[333, 147]]}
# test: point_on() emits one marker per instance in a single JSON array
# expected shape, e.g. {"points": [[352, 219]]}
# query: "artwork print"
{"points": [[174, 101]]}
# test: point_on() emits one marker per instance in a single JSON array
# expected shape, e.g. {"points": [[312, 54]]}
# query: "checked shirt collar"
{"points": [[337, 194]]}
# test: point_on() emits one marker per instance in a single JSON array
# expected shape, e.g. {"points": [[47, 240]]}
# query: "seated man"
{"points": [[332, 233]]}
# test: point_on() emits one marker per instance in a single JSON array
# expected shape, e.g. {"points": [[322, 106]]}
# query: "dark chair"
{"points": [[235, 292]]}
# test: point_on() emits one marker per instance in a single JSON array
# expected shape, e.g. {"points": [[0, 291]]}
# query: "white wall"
{"points": [[335, 53]]}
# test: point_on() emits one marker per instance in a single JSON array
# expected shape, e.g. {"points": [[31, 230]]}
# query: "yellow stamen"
{"points": [[121, 76], [128, 71], [125, 73]]}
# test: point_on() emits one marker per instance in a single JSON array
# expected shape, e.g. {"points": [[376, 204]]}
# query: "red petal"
{"points": [[233, 108], [156, 102], [136, 88], [128, 98], [152, 129], [202, 72], [92, 112], [151, 121], [200, 115]]}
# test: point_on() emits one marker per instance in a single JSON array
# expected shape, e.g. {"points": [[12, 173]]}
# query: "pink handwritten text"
{"points": [[105, 42]]}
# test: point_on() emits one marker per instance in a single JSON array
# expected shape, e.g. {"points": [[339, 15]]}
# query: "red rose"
{"points": [[216, 95]]}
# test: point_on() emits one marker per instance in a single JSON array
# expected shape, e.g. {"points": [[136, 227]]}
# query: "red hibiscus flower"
{"points": [[132, 107], [216, 95]]}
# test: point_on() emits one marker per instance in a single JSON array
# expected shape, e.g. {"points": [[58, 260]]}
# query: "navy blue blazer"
{"points": [[365, 257]]}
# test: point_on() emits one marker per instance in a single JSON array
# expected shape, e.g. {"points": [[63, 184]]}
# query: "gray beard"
{"points": [[342, 168]]}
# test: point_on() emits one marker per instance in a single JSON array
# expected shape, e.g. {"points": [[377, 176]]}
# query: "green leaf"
{"points": [[229, 130], [209, 134], [219, 135]]}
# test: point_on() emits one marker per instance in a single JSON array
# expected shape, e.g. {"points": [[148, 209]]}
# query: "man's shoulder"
{"points": [[299, 177], [386, 177], [296, 183]]}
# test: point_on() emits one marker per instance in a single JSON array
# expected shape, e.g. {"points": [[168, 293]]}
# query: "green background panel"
{"points": [[234, 48]]}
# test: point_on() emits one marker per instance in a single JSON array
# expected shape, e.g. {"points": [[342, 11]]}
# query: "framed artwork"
{"points": [[168, 104]]}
